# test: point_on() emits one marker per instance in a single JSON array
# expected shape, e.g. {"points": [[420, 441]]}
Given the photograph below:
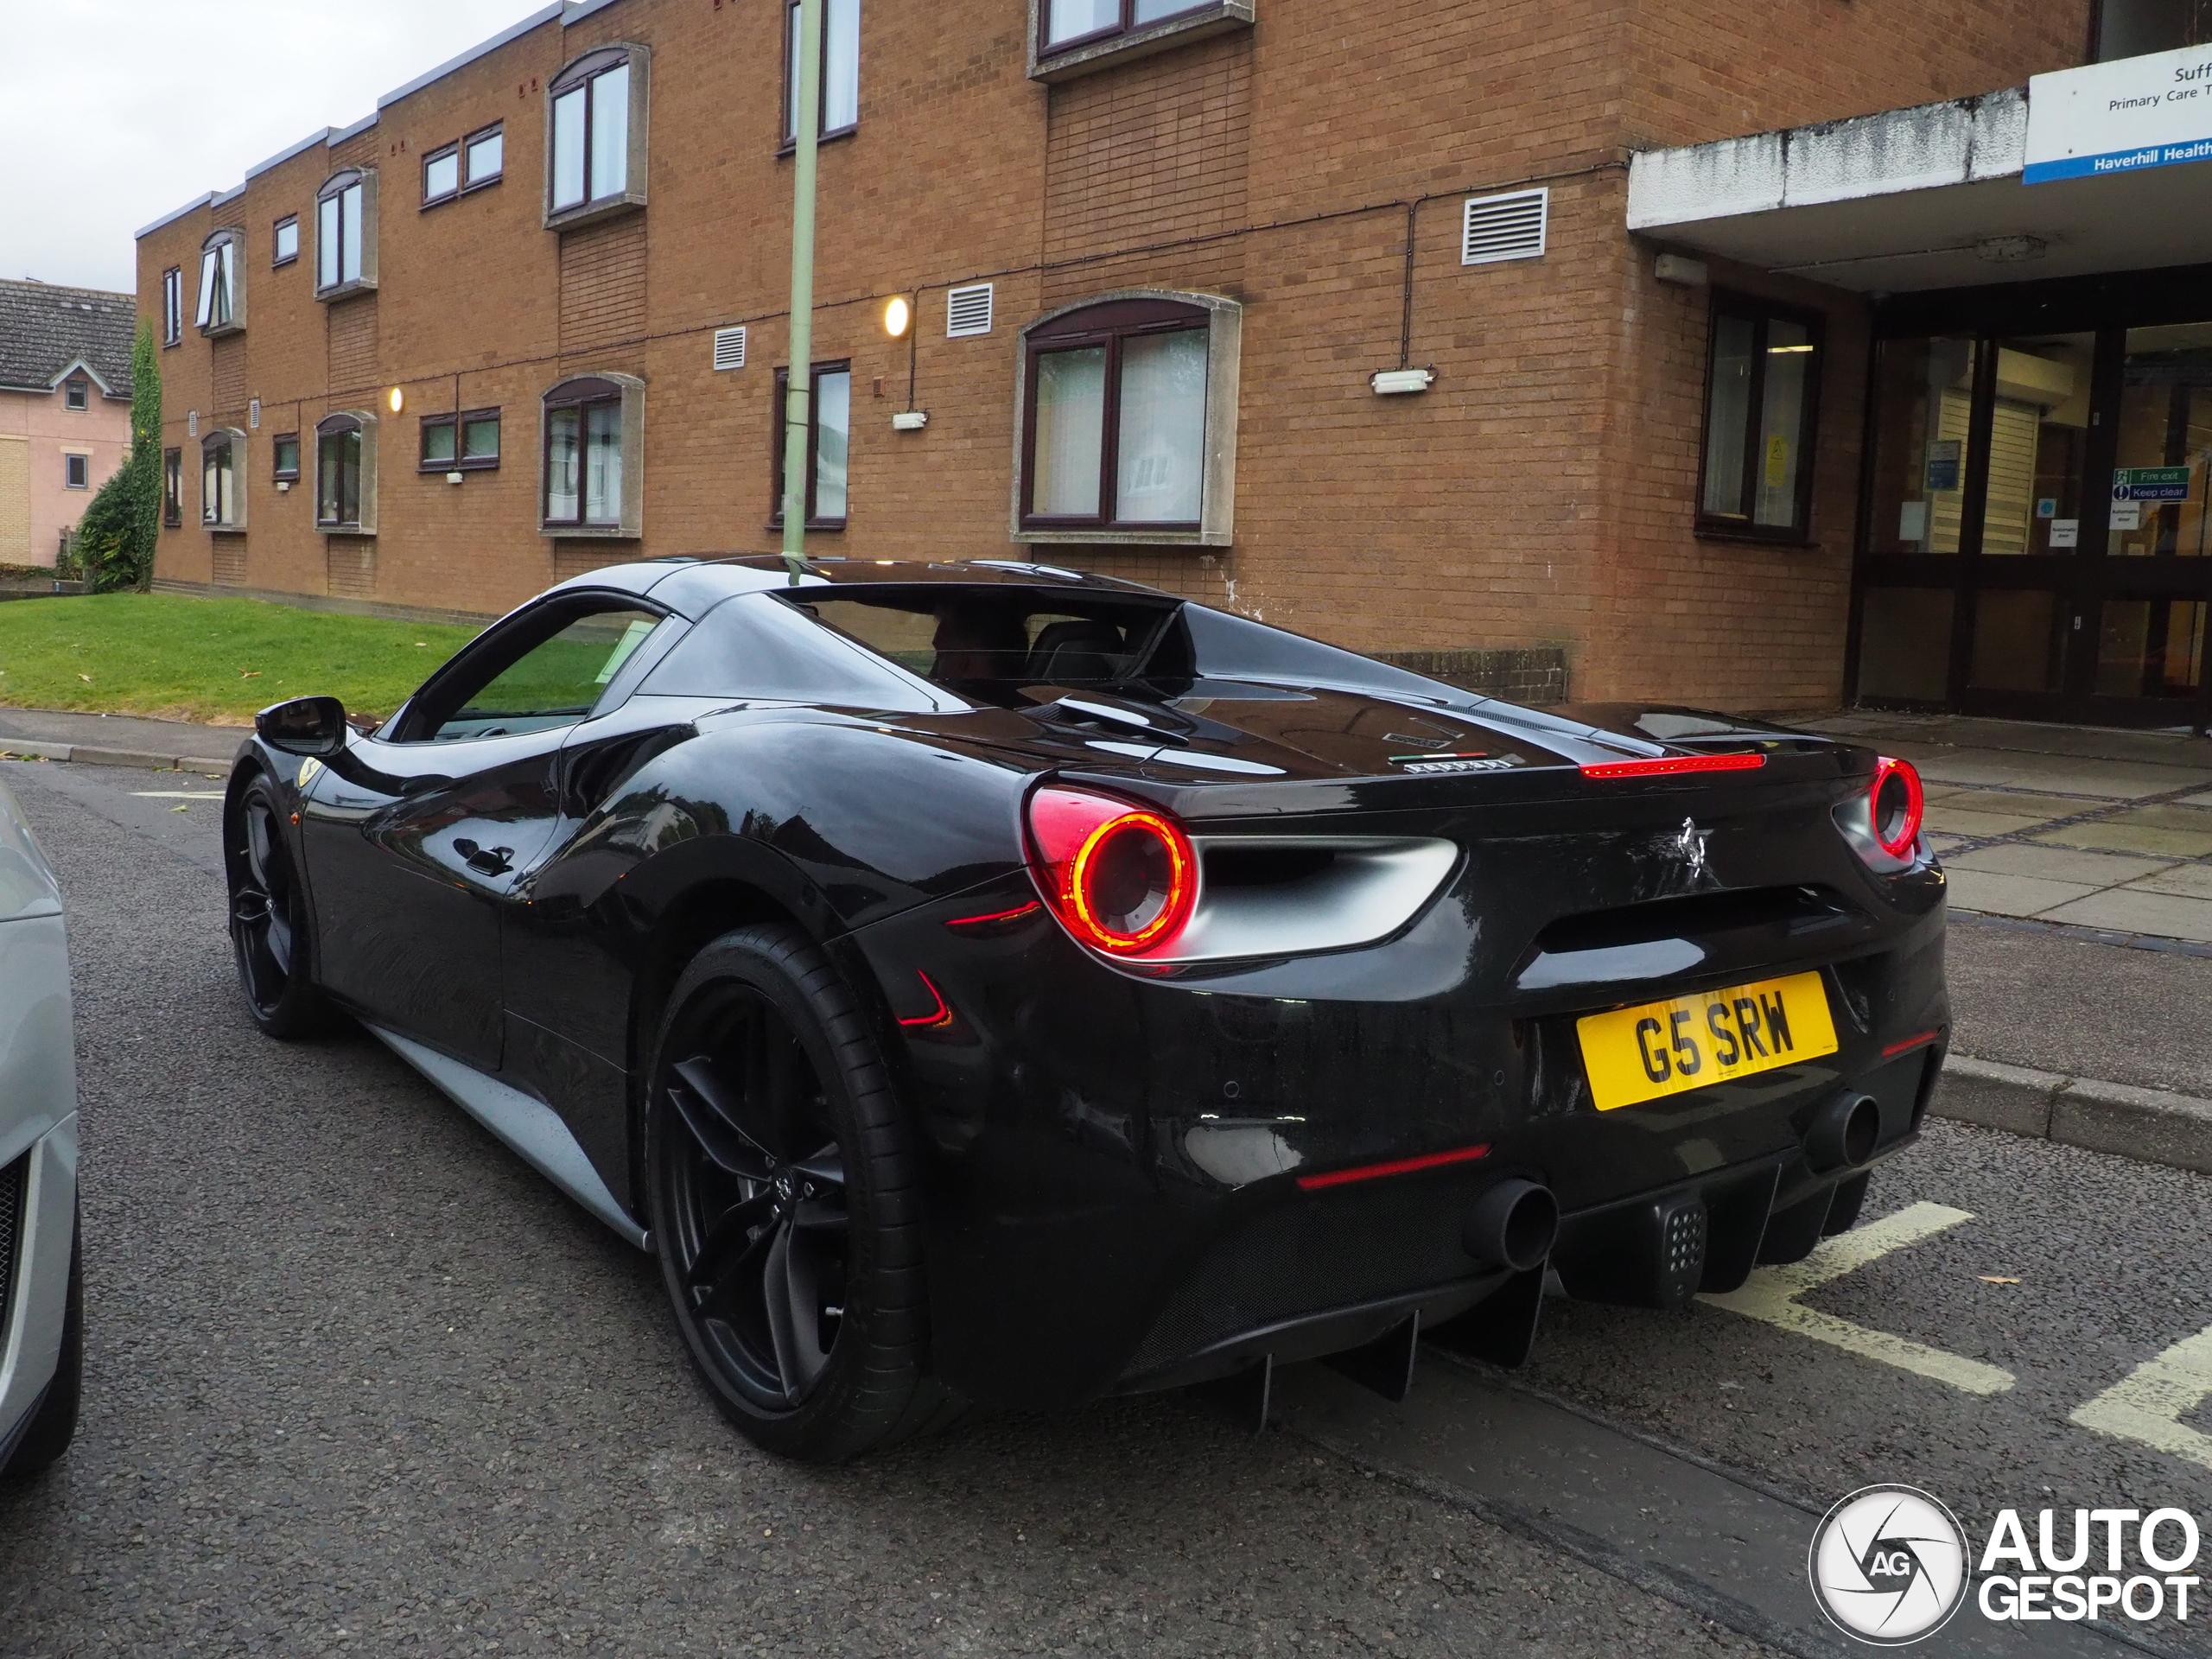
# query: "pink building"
{"points": [[65, 409]]}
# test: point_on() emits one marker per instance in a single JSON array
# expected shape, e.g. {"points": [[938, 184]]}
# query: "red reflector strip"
{"points": [[940, 1016], [1395, 1167], [1666, 765], [1921, 1041], [995, 916]]}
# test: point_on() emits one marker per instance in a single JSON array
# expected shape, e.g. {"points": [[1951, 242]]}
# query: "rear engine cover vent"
{"points": [[1510, 227]]}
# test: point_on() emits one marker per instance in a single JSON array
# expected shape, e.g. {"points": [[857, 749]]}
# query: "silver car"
{"points": [[41, 1292]]}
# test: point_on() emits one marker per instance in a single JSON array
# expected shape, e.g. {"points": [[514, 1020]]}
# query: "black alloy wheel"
{"points": [[784, 1203], [268, 918]]}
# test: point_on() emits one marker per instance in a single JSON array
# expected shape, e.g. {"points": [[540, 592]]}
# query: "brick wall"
{"points": [[1538, 499]]}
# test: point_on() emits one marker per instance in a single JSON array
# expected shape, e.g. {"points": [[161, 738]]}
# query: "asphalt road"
{"points": [[359, 1381]]}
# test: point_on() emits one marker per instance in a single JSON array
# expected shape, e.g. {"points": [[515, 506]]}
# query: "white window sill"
{"points": [[346, 291], [590, 532], [1122, 536], [217, 330], [590, 213], [1169, 32], [347, 530]]}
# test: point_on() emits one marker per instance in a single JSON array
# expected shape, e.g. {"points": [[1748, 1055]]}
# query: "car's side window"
{"points": [[553, 683]]}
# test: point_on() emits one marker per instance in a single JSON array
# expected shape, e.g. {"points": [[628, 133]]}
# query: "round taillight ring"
{"points": [[1123, 879], [1154, 851], [1896, 804]]}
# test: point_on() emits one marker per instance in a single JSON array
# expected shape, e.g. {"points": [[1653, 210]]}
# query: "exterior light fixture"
{"points": [[1681, 270], [898, 317], [398, 400], [1389, 382], [909, 419]]}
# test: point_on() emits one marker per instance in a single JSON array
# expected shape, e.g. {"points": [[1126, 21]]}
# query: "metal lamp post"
{"points": [[799, 392]]}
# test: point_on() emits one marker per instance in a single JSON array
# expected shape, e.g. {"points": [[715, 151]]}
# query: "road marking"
{"points": [[2145, 1406], [1772, 1295], [180, 794]]}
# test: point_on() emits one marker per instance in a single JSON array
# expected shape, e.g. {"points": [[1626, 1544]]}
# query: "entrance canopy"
{"points": [[1929, 197]]}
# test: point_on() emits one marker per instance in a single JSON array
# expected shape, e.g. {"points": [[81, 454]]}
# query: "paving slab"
{"points": [[119, 731], [2114, 834], [2129, 910], [2184, 880], [2011, 895], [2057, 863]]}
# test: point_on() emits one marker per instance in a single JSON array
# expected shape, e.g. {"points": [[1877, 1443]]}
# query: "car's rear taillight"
{"points": [[1895, 804], [1122, 878]]}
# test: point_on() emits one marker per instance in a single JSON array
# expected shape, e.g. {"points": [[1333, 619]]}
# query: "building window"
{"points": [[594, 426], [288, 241], [483, 158], [841, 67], [76, 394], [171, 488], [77, 471], [345, 472], [2135, 29], [284, 458], [596, 162], [1762, 388], [1117, 417], [464, 442], [1080, 22], [222, 300], [441, 175], [172, 305], [346, 234], [219, 505], [829, 424]]}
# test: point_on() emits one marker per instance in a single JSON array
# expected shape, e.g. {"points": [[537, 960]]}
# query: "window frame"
{"points": [[1070, 327], [787, 128], [278, 258], [1081, 54], [1760, 312], [430, 158], [76, 470], [781, 429], [470, 141], [278, 472], [173, 488], [336, 424], [173, 307], [462, 462], [232, 442], [76, 394], [593, 389], [231, 240], [334, 189], [506, 642], [583, 71]]}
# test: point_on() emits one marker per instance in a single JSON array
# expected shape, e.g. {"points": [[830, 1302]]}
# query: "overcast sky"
{"points": [[114, 112]]}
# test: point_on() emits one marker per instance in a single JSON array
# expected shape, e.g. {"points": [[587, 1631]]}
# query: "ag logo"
{"points": [[1889, 1566]]}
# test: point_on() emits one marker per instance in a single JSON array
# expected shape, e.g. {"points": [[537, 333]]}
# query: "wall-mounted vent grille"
{"points": [[729, 348], [1510, 226], [968, 310], [253, 415]]}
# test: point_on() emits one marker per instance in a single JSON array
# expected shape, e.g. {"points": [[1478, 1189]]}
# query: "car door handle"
{"points": [[491, 860]]}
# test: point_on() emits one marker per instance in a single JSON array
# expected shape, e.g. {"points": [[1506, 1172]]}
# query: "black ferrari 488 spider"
{"points": [[981, 982]]}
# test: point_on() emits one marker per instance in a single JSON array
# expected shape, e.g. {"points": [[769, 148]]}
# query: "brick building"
{"points": [[65, 409], [528, 318]]}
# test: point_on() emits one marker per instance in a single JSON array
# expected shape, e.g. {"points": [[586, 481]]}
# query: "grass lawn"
{"points": [[207, 660]]}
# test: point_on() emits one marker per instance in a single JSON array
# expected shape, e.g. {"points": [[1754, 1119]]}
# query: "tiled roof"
{"points": [[44, 328]]}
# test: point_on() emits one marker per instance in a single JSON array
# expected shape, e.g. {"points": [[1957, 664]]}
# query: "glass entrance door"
{"points": [[2039, 543]]}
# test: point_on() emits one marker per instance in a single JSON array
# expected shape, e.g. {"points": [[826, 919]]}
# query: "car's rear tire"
{"points": [[55, 1424], [783, 1190], [268, 918]]}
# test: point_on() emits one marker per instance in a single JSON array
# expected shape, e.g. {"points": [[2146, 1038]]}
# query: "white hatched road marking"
{"points": [[1772, 1295], [2145, 1406], [179, 794]]}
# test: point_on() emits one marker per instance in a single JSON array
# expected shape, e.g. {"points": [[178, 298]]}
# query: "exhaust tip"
{"points": [[1846, 1132], [1513, 1225]]}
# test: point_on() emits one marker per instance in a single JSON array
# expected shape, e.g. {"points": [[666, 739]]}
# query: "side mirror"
{"points": [[314, 726]]}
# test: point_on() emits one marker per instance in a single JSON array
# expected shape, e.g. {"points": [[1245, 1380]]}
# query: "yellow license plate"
{"points": [[1687, 1042]]}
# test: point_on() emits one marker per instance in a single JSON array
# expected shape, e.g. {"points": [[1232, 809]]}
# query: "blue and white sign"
{"points": [[2121, 117]]}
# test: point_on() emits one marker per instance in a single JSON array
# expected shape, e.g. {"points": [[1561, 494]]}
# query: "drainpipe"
{"points": [[807, 121]]}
